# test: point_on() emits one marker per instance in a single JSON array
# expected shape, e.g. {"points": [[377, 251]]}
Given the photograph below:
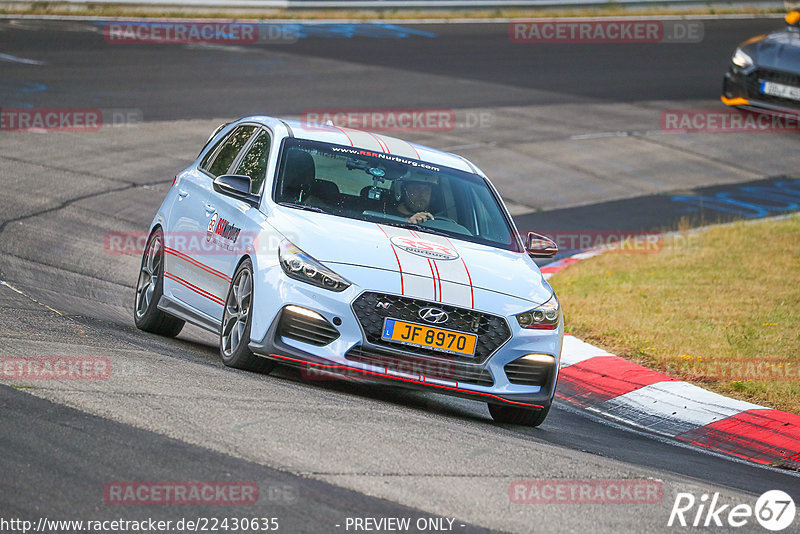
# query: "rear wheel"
{"points": [[515, 415], [236, 322], [149, 289]]}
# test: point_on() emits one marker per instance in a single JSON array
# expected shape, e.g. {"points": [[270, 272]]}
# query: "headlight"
{"points": [[544, 317], [300, 266], [741, 60]]}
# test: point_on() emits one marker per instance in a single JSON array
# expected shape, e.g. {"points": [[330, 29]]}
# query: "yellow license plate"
{"points": [[419, 335]]}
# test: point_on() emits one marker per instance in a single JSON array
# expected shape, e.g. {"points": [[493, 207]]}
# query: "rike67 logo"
{"points": [[773, 510]]}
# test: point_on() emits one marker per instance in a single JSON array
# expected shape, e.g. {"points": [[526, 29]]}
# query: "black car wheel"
{"points": [[515, 415], [149, 289], [237, 319]]}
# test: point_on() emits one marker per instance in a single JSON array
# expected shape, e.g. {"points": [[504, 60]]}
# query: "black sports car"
{"points": [[765, 71]]}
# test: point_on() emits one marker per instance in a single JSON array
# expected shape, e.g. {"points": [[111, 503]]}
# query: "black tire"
{"points": [[150, 287], [237, 318], [518, 416]]}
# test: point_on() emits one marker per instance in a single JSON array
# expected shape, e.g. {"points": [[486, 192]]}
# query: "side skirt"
{"points": [[190, 315]]}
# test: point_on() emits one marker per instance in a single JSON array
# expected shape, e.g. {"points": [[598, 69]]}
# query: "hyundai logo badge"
{"points": [[433, 315]]}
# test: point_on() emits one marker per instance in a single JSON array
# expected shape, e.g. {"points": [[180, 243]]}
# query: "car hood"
{"points": [[778, 50], [429, 266]]}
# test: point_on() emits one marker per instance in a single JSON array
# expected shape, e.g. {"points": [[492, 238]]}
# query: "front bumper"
{"points": [[352, 355], [742, 88]]}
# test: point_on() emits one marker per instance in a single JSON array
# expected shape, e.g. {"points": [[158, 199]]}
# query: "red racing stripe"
{"points": [[471, 288], [385, 374], [345, 134], [193, 261], [414, 149], [400, 267], [381, 144], [194, 288], [471, 291], [601, 378], [439, 278], [433, 277], [761, 435]]}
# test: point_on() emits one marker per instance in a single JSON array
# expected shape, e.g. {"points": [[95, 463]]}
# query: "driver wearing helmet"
{"points": [[413, 194]]}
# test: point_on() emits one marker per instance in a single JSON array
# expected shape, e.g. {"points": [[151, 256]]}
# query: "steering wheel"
{"points": [[441, 218]]}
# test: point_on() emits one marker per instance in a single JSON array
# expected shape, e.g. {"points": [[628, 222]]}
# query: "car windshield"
{"points": [[388, 189]]}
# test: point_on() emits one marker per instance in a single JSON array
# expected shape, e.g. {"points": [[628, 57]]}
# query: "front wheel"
{"points": [[149, 289], [237, 319], [515, 415]]}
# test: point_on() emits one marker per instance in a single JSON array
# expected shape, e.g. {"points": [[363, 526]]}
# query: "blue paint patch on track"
{"points": [[666, 212], [325, 30], [12, 92], [347, 31], [749, 202]]}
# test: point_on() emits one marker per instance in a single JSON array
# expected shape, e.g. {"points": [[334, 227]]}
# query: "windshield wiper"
{"points": [[302, 207], [414, 226]]}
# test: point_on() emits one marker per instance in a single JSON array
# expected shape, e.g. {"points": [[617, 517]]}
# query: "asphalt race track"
{"points": [[453, 66], [570, 133]]}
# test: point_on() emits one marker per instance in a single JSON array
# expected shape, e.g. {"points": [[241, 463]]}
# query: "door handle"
{"points": [[182, 193], [209, 208]]}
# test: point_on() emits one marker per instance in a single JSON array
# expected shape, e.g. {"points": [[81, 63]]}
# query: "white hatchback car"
{"points": [[342, 251]]}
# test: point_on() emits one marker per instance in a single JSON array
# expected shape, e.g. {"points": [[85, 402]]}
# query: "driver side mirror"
{"points": [[539, 246], [236, 186], [792, 18]]}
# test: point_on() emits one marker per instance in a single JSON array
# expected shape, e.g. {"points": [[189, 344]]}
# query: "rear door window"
{"points": [[226, 154]]}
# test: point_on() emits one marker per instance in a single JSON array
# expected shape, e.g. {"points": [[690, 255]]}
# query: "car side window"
{"points": [[209, 157], [254, 162], [230, 149]]}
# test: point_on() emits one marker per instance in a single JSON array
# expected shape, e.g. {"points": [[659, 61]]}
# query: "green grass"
{"points": [[731, 293]]}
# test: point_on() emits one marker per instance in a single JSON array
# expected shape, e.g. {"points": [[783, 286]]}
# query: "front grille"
{"points": [[528, 373], [410, 365], [315, 331], [755, 78], [786, 78], [492, 330]]}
